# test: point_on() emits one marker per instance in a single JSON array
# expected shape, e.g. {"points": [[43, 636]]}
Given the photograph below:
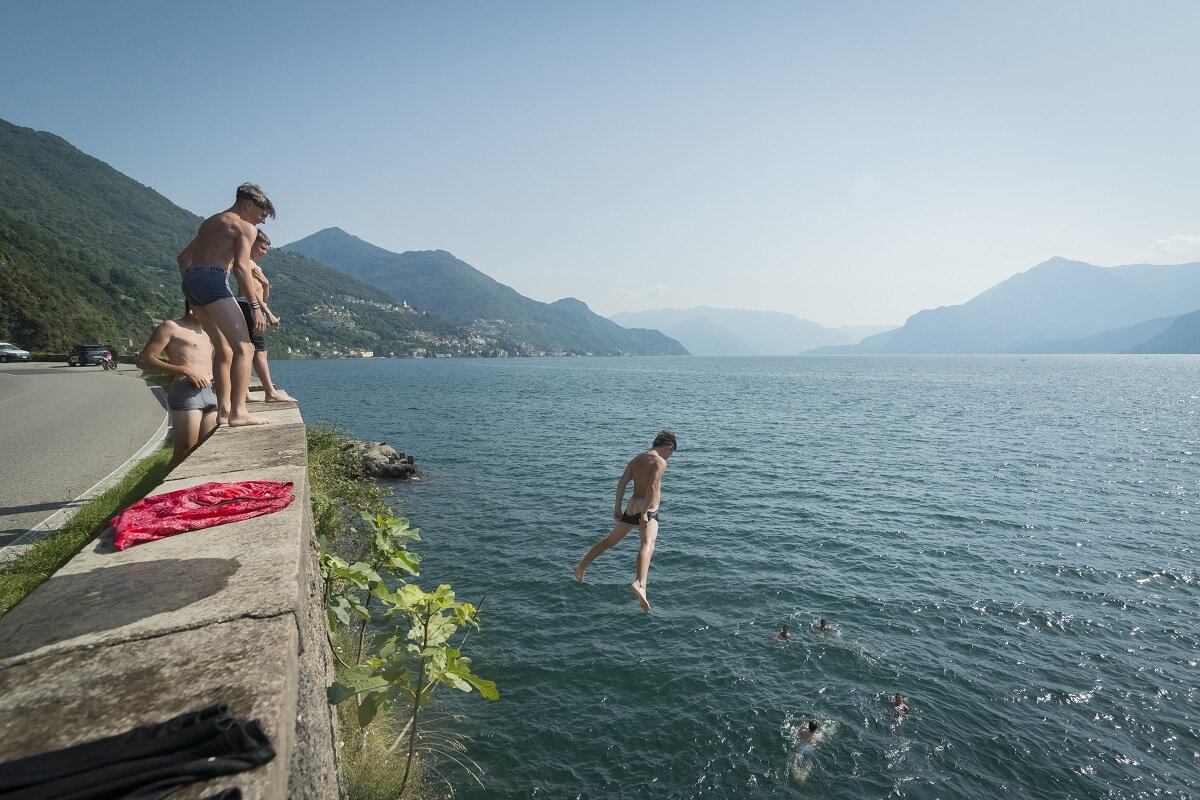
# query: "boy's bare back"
{"points": [[217, 242], [645, 468]]}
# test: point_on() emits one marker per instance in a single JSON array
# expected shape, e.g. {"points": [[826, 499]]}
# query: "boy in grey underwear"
{"points": [[221, 247], [190, 398]]}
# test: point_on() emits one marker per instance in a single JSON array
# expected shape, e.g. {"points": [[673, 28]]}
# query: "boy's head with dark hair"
{"points": [[665, 437], [252, 192]]}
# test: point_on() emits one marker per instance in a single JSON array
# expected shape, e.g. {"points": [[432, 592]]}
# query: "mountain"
{"points": [[734, 332], [1055, 301], [1183, 336], [442, 284], [88, 254], [1118, 340]]}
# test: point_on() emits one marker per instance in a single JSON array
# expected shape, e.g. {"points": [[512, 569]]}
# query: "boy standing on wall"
{"points": [[223, 245], [190, 398]]}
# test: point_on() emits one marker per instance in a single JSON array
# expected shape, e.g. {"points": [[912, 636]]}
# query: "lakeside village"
{"points": [[480, 339]]}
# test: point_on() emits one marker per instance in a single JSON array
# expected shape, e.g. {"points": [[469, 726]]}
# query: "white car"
{"points": [[10, 352]]}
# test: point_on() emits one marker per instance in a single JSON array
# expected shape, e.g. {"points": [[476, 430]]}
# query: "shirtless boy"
{"points": [[223, 245], [646, 470], [270, 393], [190, 398]]}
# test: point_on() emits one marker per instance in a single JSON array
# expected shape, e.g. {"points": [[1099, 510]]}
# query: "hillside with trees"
{"points": [[88, 254]]}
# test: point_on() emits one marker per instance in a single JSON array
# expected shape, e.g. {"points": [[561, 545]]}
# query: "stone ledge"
{"points": [[228, 614], [64, 699]]}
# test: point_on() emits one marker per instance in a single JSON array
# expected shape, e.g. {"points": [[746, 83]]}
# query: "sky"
{"points": [[850, 163]]}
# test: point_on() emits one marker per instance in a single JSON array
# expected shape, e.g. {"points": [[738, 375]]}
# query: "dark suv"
{"points": [[86, 355]]}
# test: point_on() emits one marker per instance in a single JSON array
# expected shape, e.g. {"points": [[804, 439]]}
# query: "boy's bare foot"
{"points": [[640, 592], [578, 570], [248, 419], [279, 396]]}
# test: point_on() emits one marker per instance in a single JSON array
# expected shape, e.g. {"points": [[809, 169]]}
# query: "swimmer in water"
{"points": [[782, 635], [807, 737], [822, 626], [899, 703]]}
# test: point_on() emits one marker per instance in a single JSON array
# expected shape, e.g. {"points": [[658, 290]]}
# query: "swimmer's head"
{"points": [[812, 726], [666, 439]]}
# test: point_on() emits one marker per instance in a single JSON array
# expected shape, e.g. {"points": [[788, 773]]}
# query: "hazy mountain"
{"points": [[1119, 340], [1055, 301], [735, 332], [1183, 336], [437, 281], [88, 254]]}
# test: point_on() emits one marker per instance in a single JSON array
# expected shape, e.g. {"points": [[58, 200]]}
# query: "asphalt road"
{"points": [[62, 430]]}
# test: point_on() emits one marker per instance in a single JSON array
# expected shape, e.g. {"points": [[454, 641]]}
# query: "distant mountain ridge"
{"points": [[1054, 303], [437, 281], [708, 331]]}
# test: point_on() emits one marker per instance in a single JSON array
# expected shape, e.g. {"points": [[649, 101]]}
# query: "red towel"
{"points": [[163, 515]]}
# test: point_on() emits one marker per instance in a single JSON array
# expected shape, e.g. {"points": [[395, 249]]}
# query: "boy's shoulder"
{"points": [[177, 328]]}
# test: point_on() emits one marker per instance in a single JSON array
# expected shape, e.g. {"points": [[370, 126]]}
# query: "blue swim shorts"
{"points": [[183, 395], [204, 285]]}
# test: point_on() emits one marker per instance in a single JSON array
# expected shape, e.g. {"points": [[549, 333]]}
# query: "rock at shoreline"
{"points": [[380, 460]]}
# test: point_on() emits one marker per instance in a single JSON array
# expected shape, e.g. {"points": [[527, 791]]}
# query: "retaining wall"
{"points": [[230, 614]]}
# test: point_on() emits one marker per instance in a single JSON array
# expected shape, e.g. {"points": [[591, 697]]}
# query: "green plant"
{"points": [[400, 635], [428, 620]]}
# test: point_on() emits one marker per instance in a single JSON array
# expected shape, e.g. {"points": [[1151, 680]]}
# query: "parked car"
{"points": [[87, 355], [10, 352]]}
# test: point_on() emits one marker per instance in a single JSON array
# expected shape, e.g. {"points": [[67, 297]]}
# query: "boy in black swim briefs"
{"points": [[646, 471]]}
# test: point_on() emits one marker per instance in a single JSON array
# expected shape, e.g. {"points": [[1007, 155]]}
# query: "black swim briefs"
{"points": [[636, 519]]}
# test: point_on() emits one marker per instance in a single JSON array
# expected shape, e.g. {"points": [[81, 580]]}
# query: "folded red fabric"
{"points": [[204, 506]]}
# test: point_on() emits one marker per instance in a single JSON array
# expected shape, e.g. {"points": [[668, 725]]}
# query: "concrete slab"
{"points": [[258, 405], [282, 443], [230, 614], [243, 569], [250, 665]]}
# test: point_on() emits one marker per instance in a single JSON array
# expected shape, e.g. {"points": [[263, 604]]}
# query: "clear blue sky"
{"points": [[848, 162]]}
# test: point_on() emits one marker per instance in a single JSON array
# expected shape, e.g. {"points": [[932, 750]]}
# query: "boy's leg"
{"points": [[208, 424], [223, 322], [185, 433], [649, 534], [272, 395], [615, 535]]}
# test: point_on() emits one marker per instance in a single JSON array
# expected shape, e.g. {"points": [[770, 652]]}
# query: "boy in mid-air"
{"points": [[646, 471], [190, 398]]}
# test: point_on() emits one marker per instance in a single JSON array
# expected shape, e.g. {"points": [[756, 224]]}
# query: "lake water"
{"points": [[1009, 541]]}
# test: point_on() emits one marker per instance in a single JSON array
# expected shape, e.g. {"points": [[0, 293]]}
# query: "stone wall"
{"points": [[230, 614]]}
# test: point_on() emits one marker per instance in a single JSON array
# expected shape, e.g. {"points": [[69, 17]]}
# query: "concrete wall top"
{"points": [[229, 614]]}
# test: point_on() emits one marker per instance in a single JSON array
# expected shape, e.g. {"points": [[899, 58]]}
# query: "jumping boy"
{"points": [[646, 471]]}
